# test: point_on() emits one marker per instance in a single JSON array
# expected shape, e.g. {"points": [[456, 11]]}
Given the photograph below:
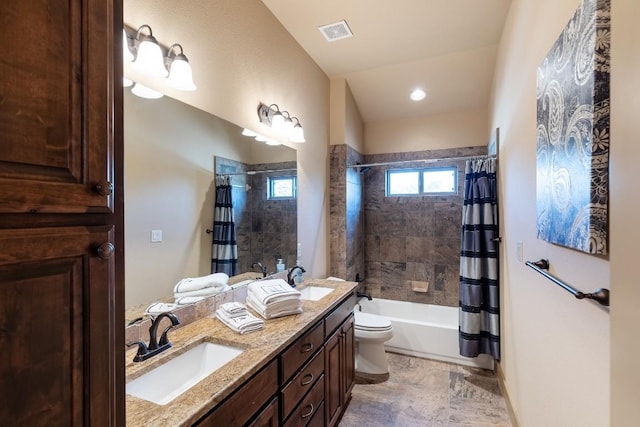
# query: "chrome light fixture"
{"points": [[148, 54], [276, 119], [180, 75]]}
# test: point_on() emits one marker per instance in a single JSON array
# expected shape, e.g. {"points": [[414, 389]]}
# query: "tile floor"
{"points": [[428, 393]]}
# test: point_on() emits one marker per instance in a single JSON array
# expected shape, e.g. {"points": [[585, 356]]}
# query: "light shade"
{"points": [[180, 74], [149, 59], [145, 92], [297, 135], [126, 82], [126, 52]]}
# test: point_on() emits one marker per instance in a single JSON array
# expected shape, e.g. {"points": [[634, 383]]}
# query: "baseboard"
{"points": [[505, 394]]}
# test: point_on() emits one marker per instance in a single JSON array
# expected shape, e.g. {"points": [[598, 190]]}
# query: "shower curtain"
{"points": [[224, 257], [479, 329]]}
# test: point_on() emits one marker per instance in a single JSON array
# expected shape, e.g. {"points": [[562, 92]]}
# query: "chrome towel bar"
{"points": [[542, 266]]}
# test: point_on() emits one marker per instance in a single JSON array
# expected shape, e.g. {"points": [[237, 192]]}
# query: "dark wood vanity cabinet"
{"points": [[339, 371], [61, 204]]}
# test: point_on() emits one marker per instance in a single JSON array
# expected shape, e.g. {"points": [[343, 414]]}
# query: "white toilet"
{"points": [[371, 332]]}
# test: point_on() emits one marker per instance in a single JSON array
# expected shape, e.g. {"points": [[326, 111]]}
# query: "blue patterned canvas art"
{"points": [[572, 94]]}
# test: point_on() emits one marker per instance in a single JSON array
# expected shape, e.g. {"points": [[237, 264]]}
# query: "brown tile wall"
{"points": [[400, 239]]}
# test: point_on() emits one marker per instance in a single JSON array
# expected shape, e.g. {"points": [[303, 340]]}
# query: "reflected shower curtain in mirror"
{"points": [[224, 257], [479, 298]]}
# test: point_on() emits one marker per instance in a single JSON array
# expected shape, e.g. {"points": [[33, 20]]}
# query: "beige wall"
{"points": [[624, 204], [450, 130], [555, 348], [252, 59], [346, 123]]}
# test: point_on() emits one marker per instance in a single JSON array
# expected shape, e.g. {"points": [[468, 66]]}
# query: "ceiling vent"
{"points": [[336, 31]]}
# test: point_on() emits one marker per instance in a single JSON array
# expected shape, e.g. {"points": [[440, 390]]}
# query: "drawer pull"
{"points": [[308, 414], [310, 376], [306, 348]]}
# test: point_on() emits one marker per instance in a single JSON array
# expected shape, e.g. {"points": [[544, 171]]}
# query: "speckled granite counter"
{"points": [[259, 348]]}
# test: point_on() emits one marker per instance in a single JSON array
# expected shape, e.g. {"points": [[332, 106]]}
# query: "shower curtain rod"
{"points": [[441, 159], [256, 172]]}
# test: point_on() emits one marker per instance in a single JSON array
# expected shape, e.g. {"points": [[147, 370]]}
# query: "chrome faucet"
{"points": [[263, 268], [290, 276], [155, 346]]}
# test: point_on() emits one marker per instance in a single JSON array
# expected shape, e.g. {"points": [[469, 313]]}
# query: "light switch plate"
{"points": [[156, 236]]}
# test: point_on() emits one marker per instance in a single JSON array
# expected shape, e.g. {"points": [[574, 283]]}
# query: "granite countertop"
{"points": [[259, 348]]}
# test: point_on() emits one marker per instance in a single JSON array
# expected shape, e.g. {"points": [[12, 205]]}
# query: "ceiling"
{"points": [[446, 47]]}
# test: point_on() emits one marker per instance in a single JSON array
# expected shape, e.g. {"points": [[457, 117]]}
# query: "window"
{"points": [[281, 187], [416, 182]]}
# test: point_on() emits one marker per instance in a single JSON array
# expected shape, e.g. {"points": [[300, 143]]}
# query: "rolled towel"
{"points": [[188, 300], [196, 283], [202, 292], [242, 324], [267, 291], [159, 307]]}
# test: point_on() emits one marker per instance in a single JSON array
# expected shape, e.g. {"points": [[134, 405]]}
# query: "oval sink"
{"points": [[171, 379], [314, 293]]}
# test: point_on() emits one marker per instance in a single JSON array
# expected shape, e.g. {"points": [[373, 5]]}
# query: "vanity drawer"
{"points": [[300, 351], [310, 405], [301, 383], [337, 316], [245, 402]]}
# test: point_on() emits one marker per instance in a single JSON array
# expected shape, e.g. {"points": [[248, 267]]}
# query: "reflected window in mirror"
{"points": [[281, 188]]}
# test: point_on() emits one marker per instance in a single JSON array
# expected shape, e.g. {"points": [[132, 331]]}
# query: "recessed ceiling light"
{"points": [[418, 95]]}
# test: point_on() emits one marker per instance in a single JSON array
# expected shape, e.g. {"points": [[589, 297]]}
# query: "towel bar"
{"points": [[542, 266]]}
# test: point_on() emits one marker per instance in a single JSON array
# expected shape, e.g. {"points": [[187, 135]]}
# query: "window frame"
{"points": [[421, 187], [270, 183]]}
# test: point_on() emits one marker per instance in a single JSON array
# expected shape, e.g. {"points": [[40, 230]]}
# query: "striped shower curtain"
{"points": [[479, 298], [224, 257]]}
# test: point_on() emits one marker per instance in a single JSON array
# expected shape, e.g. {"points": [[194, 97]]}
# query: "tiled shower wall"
{"points": [[265, 229], [346, 214], [406, 240]]}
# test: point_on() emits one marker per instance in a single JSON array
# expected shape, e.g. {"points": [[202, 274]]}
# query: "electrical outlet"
{"points": [[520, 250], [156, 236]]}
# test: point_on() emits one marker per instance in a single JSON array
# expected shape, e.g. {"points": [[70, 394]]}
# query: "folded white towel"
{"points": [[268, 291], [160, 307], [195, 283], [233, 308], [336, 279], [242, 324], [188, 300], [273, 310], [202, 292]]}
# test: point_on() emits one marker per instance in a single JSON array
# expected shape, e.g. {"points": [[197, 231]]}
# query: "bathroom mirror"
{"points": [[169, 175]]}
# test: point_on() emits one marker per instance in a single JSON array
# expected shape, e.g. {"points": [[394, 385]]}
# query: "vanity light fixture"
{"points": [[180, 75], [126, 51], [276, 119], [145, 92], [148, 54]]}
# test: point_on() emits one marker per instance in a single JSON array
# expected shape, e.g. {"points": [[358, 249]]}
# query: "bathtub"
{"points": [[423, 330]]}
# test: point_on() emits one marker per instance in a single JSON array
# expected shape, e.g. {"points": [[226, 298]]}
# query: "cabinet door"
{"points": [[348, 359], [56, 299], [268, 417], [332, 371], [56, 105]]}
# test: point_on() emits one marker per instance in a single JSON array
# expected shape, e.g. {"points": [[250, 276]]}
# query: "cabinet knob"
{"points": [[104, 188], [106, 250]]}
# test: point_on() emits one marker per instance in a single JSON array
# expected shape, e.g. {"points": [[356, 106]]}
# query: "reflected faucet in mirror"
{"points": [[263, 269], [155, 346]]}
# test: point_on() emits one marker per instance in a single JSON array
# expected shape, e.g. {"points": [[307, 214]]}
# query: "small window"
{"points": [[282, 187], [416, 182]]}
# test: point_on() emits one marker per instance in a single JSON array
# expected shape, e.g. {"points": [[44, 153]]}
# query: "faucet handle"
{"points": [[142, 350]]}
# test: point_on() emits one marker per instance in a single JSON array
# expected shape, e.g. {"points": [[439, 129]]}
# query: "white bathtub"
{"points": [[423, 330]]}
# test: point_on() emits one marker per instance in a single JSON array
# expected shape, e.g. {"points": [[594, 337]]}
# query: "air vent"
{"points": [[336, 31]]}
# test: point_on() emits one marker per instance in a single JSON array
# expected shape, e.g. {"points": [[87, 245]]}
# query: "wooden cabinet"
{"points": [[61, 213], [269, 417], [339, 371]]}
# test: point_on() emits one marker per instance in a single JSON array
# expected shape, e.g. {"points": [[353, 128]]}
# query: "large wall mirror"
{"points": [[172, 154]]}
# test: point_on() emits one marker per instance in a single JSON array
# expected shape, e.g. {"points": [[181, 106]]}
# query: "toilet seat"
{"points": [[371, 322]]}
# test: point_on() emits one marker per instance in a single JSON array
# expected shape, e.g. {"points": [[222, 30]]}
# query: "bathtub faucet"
{"points": [[364, 295]]}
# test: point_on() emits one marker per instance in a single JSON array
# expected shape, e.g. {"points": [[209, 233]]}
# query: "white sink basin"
{"points": [[171, 379], [314, 293]]}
